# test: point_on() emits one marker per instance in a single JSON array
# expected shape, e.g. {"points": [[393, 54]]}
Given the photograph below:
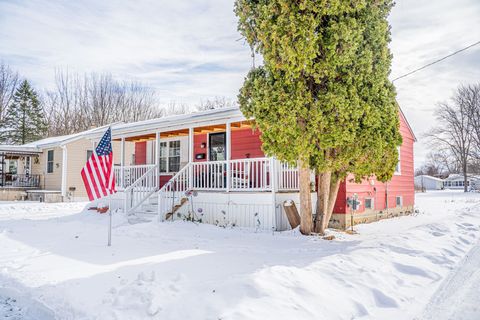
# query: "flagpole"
{"points": [[110, 202], [110, 220]]}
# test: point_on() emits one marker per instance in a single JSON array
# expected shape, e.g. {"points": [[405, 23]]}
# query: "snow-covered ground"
{"points": [[54, 264]]}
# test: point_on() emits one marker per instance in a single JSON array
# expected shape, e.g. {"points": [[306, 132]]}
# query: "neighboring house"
{"points": [[49, 169], [457, 181], [210, 166], [426, 182]]}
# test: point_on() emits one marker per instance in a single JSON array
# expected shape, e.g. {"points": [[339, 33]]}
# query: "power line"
{"points": [[436, 61]]}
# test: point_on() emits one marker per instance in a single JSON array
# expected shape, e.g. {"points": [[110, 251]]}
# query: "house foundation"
{"points": [[343, 221]]}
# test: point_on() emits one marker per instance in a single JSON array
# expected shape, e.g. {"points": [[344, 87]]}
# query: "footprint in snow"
{"points": [[414, 271], [382, 300]]}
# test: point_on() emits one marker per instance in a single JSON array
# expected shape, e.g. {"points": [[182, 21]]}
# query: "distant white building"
{"points": [[457, 181], [426, 182]]}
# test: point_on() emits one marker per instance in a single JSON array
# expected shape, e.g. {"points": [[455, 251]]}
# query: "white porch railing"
{"points": [[234, 175], [246, 175], [130, 174], [141, 189], [287, 177], [251, 174], [173, 191]]}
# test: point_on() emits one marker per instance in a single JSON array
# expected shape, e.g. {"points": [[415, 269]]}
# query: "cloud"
{"points": [[184, 48], [190, 50], [423, 31]]}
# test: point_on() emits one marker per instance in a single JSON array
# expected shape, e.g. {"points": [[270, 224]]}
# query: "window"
{"points": [[49, 161], [399, 201], [163, 157], [170, 156], [12, 166], [368, 203], [398, 167], [174, 156], [89, 154], [28, 165]]}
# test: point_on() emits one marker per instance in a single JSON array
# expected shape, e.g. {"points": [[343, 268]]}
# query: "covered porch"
{"points": [[16, 167], [222, 157], [176, 155]]}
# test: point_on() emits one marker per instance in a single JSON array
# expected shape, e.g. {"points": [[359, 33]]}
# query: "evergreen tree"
{"points": [[322, 96], [25, 120]]}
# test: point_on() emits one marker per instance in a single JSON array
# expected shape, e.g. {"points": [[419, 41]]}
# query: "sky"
{"points": [[190, 50]]}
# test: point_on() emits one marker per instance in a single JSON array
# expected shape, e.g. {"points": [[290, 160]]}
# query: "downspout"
{"points": [[64, 171]]}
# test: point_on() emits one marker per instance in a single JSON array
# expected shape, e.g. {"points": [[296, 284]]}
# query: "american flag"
{"points": [[97, 174]]}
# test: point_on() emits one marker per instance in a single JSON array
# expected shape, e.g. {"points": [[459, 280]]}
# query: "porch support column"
{"points": [[190, 157], [157, 158], [274, 188], [122, 163], [229, 154], [64, 171]]}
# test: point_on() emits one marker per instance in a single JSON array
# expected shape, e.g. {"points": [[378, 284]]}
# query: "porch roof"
{"points": [[63, 140], [19, 150], [178, 122]]}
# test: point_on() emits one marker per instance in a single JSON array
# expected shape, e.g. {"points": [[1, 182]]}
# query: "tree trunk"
{"points": [[465, 178], [328, 185], [323, 193], [306, 223], [334, 186]]}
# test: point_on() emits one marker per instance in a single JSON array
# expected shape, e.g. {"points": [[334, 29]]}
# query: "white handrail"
{"points": [[141, 189], [130, 174], [173, 191]]}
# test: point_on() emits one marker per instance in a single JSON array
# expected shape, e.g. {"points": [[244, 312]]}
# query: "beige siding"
{"points": [[49, 181], [77, 156]]}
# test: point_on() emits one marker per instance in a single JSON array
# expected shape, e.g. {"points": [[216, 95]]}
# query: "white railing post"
{"points": [[122, 163], [190, 157], [273, 186], [273, 174], [229, 154], [157, 158]]}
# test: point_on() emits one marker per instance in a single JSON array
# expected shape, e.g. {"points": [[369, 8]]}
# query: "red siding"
{"points": [[198, 139], [164, 179], [400, 185], [141, 153], [340, 203], [245, 143]]}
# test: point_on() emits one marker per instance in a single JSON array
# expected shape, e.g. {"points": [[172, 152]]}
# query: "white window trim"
{"points": [[53, 162], [167, 142], [372, 201], [401, 201], [399, 164]]}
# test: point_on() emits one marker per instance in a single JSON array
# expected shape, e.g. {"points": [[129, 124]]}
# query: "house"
{"points": [[210, 166], [457, 181], [49, 169], [426, 182]]}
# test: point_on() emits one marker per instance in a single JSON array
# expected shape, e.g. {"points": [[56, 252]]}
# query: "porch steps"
{"points": [[176, 208]]}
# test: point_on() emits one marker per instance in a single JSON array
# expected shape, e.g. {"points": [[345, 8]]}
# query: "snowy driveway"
{"points": [[459, 295], [53, 259]]}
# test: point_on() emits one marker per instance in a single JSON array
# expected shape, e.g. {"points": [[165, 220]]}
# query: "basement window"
{"points": [[368, 203], [399, 201]]}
